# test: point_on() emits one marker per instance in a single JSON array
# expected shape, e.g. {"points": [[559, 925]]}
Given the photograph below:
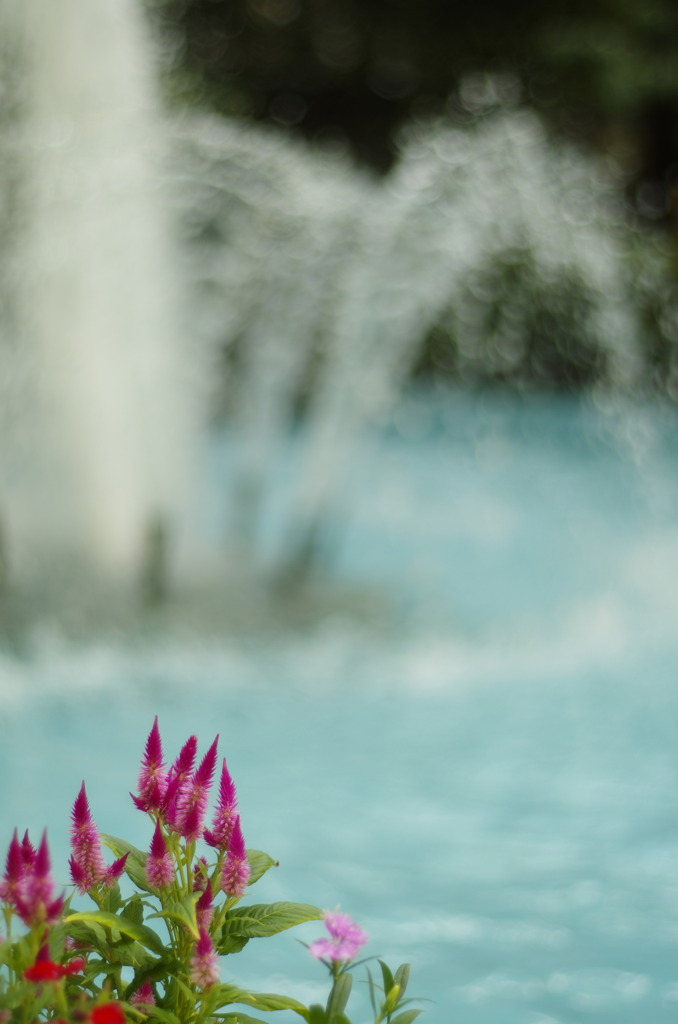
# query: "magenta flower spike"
{"points": [[183, 766], [189, 815], [87, 863], [235, 873], [346, 938], [204, 910], [204, 962], [152, 777], [14, 870], [29, 852], [178, 781], [114, 872], [144, 995], [225, 812], [34, 899], [159, 868]]}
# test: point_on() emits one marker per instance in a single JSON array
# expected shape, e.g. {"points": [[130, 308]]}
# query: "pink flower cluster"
{"points": [[87, 863], [346, 938], [177, 799], [204, 962], [27, 884]]}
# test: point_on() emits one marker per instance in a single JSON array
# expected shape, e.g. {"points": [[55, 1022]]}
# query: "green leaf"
{"points": [[231, 944], [157, 1013], [112, 899], [406, 1018], [134, 910], [387, 976], [271, 1001], [391, 1001], [226, 994], [96, 967], [133, 954], [135, 865], [402, 977], [373, 996], [259, 863], [316, 1015], [90, 933], [146, 936], [184, 912], [241, 1018], [265, 919], [57, 942], [338, 997]]}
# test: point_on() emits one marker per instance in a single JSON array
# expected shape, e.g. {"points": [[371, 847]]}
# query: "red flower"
{"points": [[45, 969], [107, 1013]]}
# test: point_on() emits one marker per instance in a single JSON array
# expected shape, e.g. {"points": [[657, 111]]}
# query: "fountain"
{"points": [[519, 250], [516, 708], [156, 262], [101, 415]]}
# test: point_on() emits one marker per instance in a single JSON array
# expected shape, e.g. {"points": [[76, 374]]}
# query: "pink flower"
{"points": [[152, 777], [224, 814], [204, 962], [159, 867], [27, 884], [347, 938], [15, 868], [188, 812], [178, 781], [204, 911], [87, 863], [236, 870], [144, 994]]}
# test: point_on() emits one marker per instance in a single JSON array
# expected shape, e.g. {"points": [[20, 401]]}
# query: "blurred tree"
{"points": [[355, 70]]}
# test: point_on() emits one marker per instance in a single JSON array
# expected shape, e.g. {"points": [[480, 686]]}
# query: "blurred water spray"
{"points": [[307, 287], [326, 285], [99, 407]]}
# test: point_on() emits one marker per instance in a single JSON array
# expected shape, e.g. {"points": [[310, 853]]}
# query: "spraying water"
{"points": [[314, 284], [518, 250], [102, 418]]}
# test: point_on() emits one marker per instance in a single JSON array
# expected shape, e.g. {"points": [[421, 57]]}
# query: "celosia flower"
{"points": [[159, 868], [75, 966], [14, 870], [45, 969], [18, 866], [28, 851], [347, 938], [33, 894], [235, 873], [178, 781], [87, 863], [190, 807], [144, 994], [107, 1013], [204, 911], [224, 814], [152, 777], [204, 962]]}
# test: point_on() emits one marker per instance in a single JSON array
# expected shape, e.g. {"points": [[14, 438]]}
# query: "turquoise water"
{"points": [[488, 784]]}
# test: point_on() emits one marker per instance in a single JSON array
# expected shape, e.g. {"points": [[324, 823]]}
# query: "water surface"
{"points": [[487, 783]]}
